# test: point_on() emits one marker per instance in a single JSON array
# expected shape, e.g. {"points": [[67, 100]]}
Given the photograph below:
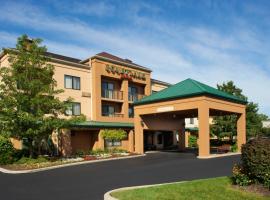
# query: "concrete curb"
{"points": [[7, 171], [107, 195], [218, 155]]}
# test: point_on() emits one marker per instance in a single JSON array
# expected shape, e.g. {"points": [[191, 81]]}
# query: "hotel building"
{"points": [[105, 88]]}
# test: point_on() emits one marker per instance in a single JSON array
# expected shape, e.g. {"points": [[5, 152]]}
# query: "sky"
{"points": [[209, 41]]}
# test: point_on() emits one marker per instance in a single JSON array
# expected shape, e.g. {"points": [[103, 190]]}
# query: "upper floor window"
{"points": [[191, 120], [108, 110], [107, 86], [132, 90], [107, 90], [74, 109], [72, 82], [132, 93]]}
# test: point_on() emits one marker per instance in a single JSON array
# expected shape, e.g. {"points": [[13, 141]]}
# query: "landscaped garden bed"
{"points": [[26, 163], [210, 189]]}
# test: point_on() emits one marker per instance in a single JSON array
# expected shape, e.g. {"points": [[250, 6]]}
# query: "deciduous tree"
{"points": [[29, 106]]}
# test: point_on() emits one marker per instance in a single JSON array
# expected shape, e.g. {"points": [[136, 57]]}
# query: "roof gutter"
{"points": [[54, 59]]}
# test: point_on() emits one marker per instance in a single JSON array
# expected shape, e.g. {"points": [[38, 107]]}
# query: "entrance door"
{"points": [[148, 138], [168, 139]]}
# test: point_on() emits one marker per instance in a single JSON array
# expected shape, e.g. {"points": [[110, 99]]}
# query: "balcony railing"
{"points": [[112, 94], [112, 115], [135, 97]]}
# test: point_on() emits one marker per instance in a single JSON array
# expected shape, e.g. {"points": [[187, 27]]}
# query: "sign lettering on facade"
{"points": [[122, 71], [165, 109]]}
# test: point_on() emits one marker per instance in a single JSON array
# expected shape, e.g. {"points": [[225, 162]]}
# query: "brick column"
{"points": [[187, 134], [204, 131], [124, 88], [139, 145], [241, 130], [100, 141], [131, 141]]}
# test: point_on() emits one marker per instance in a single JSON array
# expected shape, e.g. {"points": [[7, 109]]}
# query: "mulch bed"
{"points": [[254, 188]]}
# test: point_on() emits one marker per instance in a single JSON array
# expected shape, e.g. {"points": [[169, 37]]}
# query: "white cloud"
{"points": [[89, 8], [172, 50]]}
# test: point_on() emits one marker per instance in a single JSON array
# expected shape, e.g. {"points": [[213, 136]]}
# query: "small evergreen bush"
{"points": [[29, 161], [192, 141], [239, 176], [6, 151], [256, 160]]}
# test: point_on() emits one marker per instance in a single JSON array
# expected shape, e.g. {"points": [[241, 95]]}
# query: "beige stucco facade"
{"points": [[177, 110]]}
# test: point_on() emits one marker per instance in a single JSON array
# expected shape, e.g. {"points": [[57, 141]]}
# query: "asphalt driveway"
{"points": [[91, 181]]}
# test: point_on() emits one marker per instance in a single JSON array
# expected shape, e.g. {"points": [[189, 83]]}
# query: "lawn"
{"points": [[207, 189]]}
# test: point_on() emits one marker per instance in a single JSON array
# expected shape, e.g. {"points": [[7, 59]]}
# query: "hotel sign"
{"points": [[125, 73], [165, 109]]}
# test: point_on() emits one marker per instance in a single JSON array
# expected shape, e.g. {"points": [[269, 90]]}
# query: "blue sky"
{"points": [[210, 41]]}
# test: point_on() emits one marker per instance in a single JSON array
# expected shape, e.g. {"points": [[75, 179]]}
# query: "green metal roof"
{"points": [[96, 124], [188, 88]]}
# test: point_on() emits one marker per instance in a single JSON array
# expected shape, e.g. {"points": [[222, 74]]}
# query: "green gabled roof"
{"points": [[188, 88], [96, 124]]}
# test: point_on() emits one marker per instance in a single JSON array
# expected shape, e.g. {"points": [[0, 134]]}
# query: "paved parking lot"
{"points": [[91, 181]]}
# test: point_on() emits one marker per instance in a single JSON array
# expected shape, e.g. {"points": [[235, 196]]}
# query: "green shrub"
{"points": [[239, 176], [27, 160], [98, 152], [113, 134], [256, 160], [234, 147], [192, 141], [117, 150], [80, 153], [6, 151]]}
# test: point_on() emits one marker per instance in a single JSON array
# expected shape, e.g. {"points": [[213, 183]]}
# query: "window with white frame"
{"points": [[74, 109], [72, 82], [113, 143]]}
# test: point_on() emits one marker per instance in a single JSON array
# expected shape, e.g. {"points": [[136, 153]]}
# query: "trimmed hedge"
{"points": [[256, 160]]}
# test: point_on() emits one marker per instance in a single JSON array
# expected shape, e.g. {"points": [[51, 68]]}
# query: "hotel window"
{"points": [[191, 120], [74, 109], [72, 82], [132, 93], [112, 143], [107, 90], [130, 111], [108, 110]]}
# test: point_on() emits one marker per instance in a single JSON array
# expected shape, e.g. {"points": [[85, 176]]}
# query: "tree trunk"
{"points": [[31, 149]]}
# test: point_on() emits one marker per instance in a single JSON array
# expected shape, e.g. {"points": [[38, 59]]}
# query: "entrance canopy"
{"points": [[187, 99]]}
